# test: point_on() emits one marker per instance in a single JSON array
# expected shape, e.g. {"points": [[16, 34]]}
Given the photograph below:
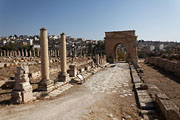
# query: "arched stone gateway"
{"points": [[126, 38]]}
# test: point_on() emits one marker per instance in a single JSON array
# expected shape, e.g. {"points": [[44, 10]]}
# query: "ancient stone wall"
{"points": [[166, 65]]}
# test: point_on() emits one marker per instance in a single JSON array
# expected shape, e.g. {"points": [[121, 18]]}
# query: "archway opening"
{"points": [[120, 53]]}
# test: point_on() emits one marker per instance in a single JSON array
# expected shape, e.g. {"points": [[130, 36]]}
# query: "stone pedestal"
{"points": [[22, 91], [72, 71]]}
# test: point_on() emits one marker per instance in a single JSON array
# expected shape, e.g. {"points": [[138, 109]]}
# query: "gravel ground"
{"points": [[107, 95]]}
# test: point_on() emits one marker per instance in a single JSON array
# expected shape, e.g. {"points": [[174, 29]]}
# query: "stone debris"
{"points": [[22, 91]]}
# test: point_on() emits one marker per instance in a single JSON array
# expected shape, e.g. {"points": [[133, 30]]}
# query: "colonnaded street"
{"points": [[106, 95]]}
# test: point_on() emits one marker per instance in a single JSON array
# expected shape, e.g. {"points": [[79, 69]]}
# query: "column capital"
{"points": [[43, 28], [62, 33]]}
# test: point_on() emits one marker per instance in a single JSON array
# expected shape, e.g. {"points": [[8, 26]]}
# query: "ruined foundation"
{"points": [[22, 91]]}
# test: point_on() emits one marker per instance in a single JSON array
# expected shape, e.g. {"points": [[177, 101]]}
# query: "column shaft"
{"points": [[63, 53], [44, 54]]}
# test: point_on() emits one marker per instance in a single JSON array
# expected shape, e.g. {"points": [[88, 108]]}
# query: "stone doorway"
{"points": [[127, 38]]}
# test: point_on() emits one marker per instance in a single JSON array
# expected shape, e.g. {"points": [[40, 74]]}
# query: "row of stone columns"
{"points": [[100, 59], [46, 83], [22, 91], [27, 53]]}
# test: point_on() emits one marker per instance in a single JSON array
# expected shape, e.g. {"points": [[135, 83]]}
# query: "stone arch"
{"points": [[127, 38]]}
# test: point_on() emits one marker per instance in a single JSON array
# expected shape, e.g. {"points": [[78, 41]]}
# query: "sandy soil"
{"points": [[107, 95]]}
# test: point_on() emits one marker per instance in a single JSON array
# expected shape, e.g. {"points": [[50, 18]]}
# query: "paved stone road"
{"points": [[106, 95]]}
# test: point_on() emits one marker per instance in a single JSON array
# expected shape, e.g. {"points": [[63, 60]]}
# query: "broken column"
{"points": [[1, 54], [45, 84], [73, 70], [4, 53], [30, 53], [22, 53], [97, 59], [34, 53], [22, 91], [26, 53], [58, 53], [63, 76], [38, 53]]}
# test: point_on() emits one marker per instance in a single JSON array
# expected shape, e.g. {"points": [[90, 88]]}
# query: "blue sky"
{"points": [[152, 19]]}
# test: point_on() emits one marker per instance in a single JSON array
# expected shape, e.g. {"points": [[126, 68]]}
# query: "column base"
{"points": [[45, 85], [63, 77]]}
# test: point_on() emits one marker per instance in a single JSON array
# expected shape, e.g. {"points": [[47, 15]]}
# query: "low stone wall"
{"points": [[167, 107], [165, 64], [75, 68]]}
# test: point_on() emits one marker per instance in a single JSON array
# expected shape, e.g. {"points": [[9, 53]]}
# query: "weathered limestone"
{"points": [[4, 53], [34, 53], [55, 53], [22, 91], [38, 53], [97, 59], [128, 39], [167, 107], [166, 65], [63, 76], [1, 54], [73, 70], [45, 83], [19, 53], [22, 53], [58, 53], [30, 53]]}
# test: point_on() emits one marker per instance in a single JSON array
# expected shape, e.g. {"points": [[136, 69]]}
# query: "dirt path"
{"points": [[167, 83], [106, 95]]}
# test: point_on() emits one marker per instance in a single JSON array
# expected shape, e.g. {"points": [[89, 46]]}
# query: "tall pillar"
{"points": [[7, 53], [97, 59], [38, 53], [45, 83], [1, 54], [55, 53], [30, 53], [58, 53], [19, 53], [34, 53], [22, 53], [63, 77], [4, 53]]}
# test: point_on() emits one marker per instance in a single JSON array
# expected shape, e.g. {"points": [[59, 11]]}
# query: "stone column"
{"points": [[34, 53], [4, 53], [15, 53], [73, 70], [22, 53], [30, 53], [26, 53], [19, 53], [58, 53], [97, 59], [38, 53], [55, 53], [7, 53], [45, 83], [1, 54], [63, 77]]}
